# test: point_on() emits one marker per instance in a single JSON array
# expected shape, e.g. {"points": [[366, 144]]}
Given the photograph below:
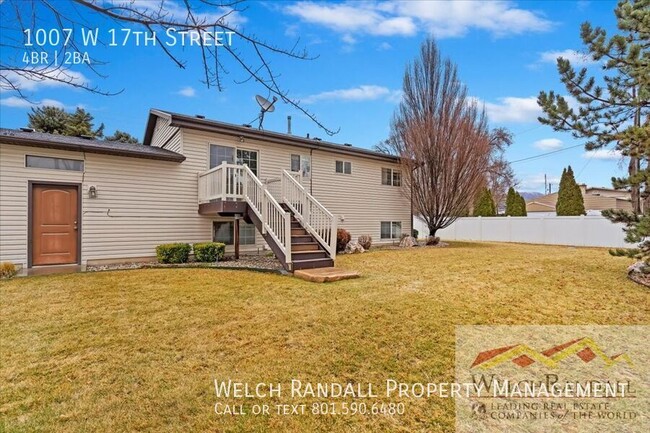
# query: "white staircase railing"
{"points": [[315, 218], [238, 182]]}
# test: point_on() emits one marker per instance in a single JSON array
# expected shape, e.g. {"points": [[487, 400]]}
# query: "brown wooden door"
{"points": [[55, 213]]}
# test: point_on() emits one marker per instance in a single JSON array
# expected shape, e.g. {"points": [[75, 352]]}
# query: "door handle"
{"points": [[75, 226]]}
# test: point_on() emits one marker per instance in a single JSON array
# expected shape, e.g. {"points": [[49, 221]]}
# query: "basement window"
{"points": [[344, 167], [53, 163], [391, 229], [224, 232]]}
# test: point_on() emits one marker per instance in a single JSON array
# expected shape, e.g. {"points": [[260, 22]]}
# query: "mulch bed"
{"points": [[255, 263]]}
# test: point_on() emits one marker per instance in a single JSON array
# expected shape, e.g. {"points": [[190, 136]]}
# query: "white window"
{"points": [[232, 155], [301, 163], [344, 167], [391, 229], [224, 231], [54, 163], [390, 176]]}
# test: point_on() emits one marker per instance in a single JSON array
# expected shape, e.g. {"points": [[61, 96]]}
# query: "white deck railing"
{"points": [[238, 182], [315, 218]]}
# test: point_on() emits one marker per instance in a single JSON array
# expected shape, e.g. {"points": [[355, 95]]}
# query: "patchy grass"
{"points": [[139, 350]]}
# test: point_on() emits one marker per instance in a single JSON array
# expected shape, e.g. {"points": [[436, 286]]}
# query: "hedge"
{"points": [[209, 251], [173, 253]]}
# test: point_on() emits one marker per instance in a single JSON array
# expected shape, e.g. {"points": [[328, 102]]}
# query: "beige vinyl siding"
{"points": [[167, 136], [140, 203], [359, 198]]}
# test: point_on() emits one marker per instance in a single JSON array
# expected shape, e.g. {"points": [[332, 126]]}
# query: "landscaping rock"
{"points": [[408, 242], [353, 247]]}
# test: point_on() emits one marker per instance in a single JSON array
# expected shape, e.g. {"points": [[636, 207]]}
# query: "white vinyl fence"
{"points": [[584, 231]]}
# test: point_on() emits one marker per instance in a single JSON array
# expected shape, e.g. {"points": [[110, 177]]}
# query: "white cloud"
{"points": [[535, 182], [360, 93], [512, 109], [603, 154], [405, 18], [385, 46], [348, 39], [176, 10], [187, 91], [548, 144], [576, 58], [34, 80], [16, 102]]}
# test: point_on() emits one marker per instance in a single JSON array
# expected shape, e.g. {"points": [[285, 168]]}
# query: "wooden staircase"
{"points": [[306, 252]]}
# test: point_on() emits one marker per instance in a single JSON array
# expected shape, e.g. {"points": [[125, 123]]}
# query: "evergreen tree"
{"points": [[123, 137], [81, 123], [569, 197], [522, 206], [511, 202], [485, 205], [52, 120], [617, 112]]}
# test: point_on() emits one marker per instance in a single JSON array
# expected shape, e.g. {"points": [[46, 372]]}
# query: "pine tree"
{"points": [[522, 206], [123, 137], [569, 197], [618, 111], [485, 205], [511, 202], [52, 120], [81, 123]]}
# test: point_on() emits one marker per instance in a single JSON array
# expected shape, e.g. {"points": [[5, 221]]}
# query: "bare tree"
{"points": [[251, 57], [499, 176], [442, 138]]}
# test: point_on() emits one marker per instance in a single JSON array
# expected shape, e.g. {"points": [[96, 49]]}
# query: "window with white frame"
{"points": [[301, 163], [344, 167], [33, 161], [391, 230], [390, 176], [232, 155], [224, 232]]}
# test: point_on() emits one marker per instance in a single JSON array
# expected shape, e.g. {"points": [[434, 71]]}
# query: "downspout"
{"points": [[311, 175]]}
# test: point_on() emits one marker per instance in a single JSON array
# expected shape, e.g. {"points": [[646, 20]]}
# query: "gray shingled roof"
{"points": [[79, 144]]}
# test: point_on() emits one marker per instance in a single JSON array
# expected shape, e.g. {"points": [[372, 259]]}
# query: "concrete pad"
{"points": [[325, 275]]}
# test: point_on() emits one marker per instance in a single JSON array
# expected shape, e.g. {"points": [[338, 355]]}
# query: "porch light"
{"points": [[92, 192]]}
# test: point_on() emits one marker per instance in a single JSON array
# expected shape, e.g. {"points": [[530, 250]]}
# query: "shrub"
{"points": [[7, 270], [209, 251], [173, 253], [365, 241], [485, 206], [415, 233], [342, 239]]}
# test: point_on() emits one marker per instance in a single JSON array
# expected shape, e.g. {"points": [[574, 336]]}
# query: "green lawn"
{"points": [[139, 350]]}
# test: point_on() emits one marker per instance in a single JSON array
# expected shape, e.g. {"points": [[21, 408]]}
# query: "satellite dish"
{"points": [[265, 106]]}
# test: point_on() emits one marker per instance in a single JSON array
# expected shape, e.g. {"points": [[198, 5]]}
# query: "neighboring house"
{"points": [[595, 199], [71, 200]]}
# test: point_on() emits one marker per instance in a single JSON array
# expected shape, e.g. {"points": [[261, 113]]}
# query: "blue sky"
{"points": [[505, 52]]}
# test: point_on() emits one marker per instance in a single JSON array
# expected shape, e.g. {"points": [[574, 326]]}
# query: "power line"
{"points": [[541, 155]]}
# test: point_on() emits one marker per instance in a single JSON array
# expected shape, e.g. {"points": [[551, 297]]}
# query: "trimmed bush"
{"points": [[415, 233], [365, 241], [209, 251], [173, 253], [7, 270], [342, 239]]}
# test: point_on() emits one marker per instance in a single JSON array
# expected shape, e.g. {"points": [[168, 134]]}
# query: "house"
{"points": [[595, 199], [72, 200]]}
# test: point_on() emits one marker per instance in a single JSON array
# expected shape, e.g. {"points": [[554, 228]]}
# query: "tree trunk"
{"points": [[633, 169], [432, 232]]}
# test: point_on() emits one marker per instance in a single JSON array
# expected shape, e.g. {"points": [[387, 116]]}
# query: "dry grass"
{"points": [[139, 350]]}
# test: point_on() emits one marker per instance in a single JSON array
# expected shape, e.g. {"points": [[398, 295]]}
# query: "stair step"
{"points": [[301, 239], [307, 246], [296, 225], [298, 231], [312, 263], [310, 254]]}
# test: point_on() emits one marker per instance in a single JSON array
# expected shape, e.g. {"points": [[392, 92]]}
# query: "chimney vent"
{"points": [[86, 137], [24, 129], [289, 125], [200, 116]]}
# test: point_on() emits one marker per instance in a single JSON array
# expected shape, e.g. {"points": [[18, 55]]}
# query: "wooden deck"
{"points": [[325, 275]]}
